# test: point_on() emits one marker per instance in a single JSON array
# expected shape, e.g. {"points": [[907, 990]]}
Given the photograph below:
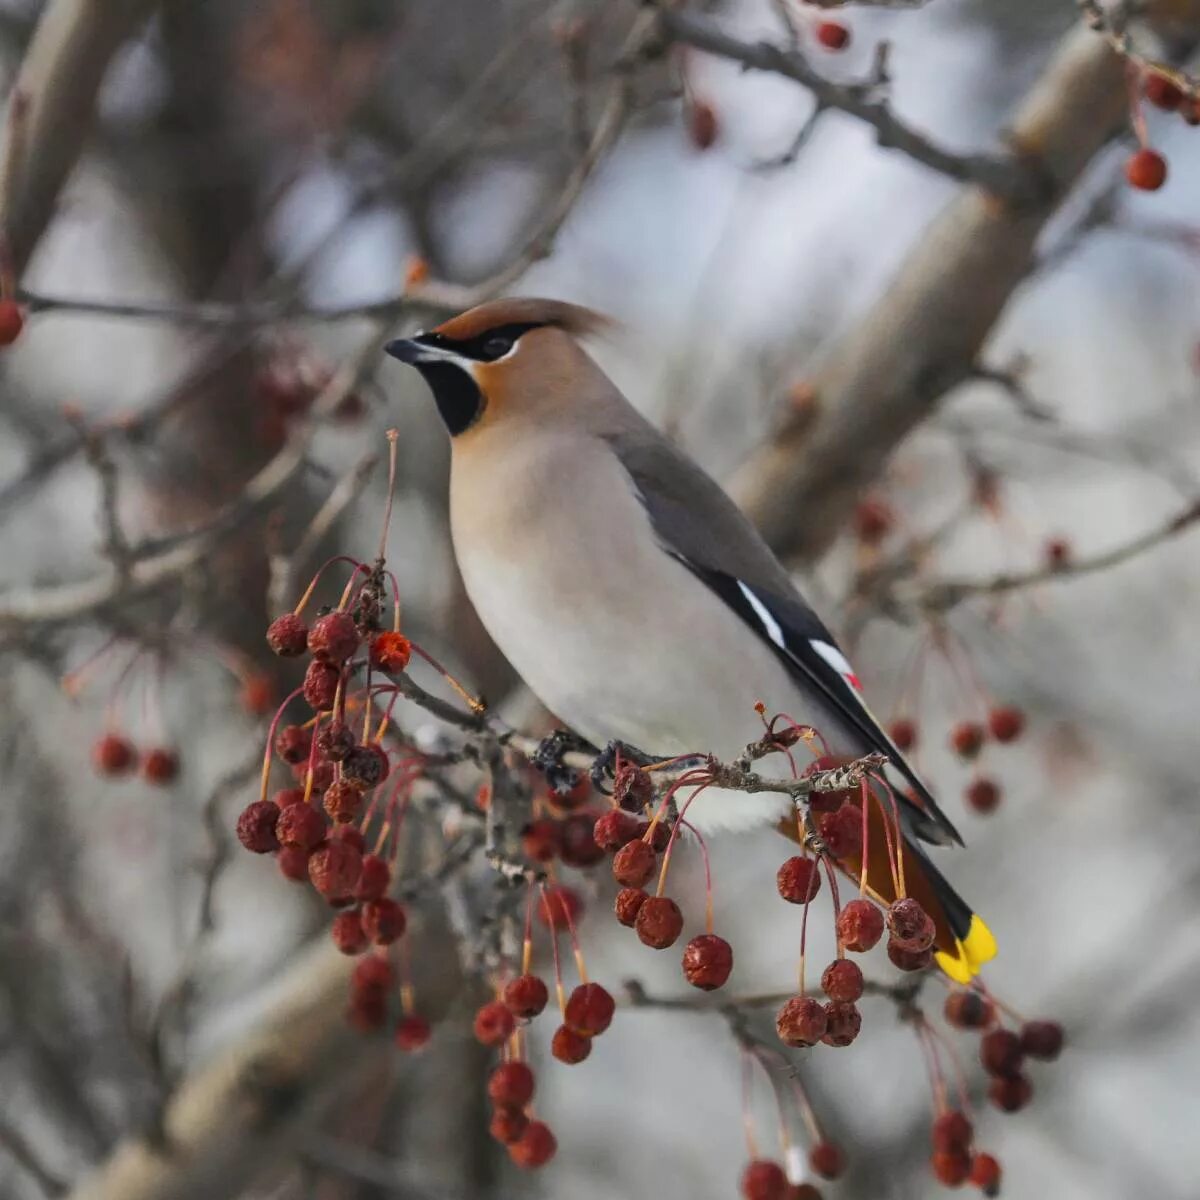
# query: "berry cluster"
{"points": [[287, 386], [114, 755], [1146, 168]]}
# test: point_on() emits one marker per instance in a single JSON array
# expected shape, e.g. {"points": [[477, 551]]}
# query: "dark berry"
{"points": [[348, 935], [701, 124], [906, 958], [589, 1010], [333, 638], [910, 925], [967, 738], [986, 1174], [633, 788], [798, 879], [951, 1167], [384, 921], [293, 863], [1162, 93], [1006, 723], [511, 1083], [627, 905], [375, 877], [764, 1180], [827, 1160], [342, 801], [842, 980], [412, 1033], [507, 1124], [373, 973], [952, 1132], [707, 961], [1146, 170], [525, 996], [873, 519], [292, 743], [320, 684], [659, 922], [579, 847], [634, 864], [288, 635], [160, 766], [560, 907], [366, 766], [983, 795], [968, 1010], [801, 1021], [256, 826], [1042, 1039], [833, 35], [300, 825], [841, 831], [842, 1023], [540, 840], [615, 828], [859, 926], [903, 732], [534, 1148], [334, 742], [1001, 1053], [570, 1047], [334, 869], [1010, 1093], [114, 755], [493, 1023]]}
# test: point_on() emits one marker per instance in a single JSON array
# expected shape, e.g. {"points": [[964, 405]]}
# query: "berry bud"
{"points": [[798, 880], [627, 905], [511, 1083], [707, 961], [570, 1047], [589, 1010], [859, 926], [493, 1023], [659, 921], [525, 996], [390, 652], [842, 981], [288, 635], [634, 864], [256, 826], [801, 1021]]}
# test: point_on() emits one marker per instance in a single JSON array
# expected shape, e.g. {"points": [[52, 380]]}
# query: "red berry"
{"points": [[292, 743], [983, 795], [287, 796], [1162, 93], [257, 695], [627, 905], [534, 1148], [570, 1047], [833, 35], [412, 1033], [1010, 1093], [633, 788], [764, 1180], [968, 1010], [256, 826], [827, 1160], [829, 801], [908, 959], [842, 980], [114, 755], [841, 831], [288, 635], [375, 878], [367, 1011], [160, 766], [1042, 1039], [859, 926], [525, 996], [540, 840], [903, 732], [12, 321], [334, 742], [579, 847], [1000, 1052], [342, 801], [952, 1133], [986, 1174], [347, 833], [300, 825], [322, 775], [384, 921], [293, 863], [333, 638], [951, 1168], [702, 124], [1058, 553], [373, 973], [910, 925], [873, 518], [1146, 170], [659, 922], [634, 864], [589, 1010], [507, 1124], [801, 1021], [1006, 723], [842, 1023], [798, 880], [707, 961], [348, 935], [320, 684], [967, 738], [334, 869], [365, 766], [390, 652], [511, 1083], [493, 1023], [559, 904], [615, 828]]}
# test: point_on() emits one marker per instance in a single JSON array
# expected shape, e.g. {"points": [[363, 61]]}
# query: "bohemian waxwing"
{"points": [[629, 591]]}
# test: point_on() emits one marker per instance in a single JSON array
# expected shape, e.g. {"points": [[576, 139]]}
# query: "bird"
{"points": [[633, 596]]}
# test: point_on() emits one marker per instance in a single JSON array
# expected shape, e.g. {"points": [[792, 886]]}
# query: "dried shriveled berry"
{"points": [[952, 1132], [390, 652], [910, 925], [320, 685], [841, 831], [983, 795], [540, 840], [293, 863], [292, 743], [160, 766], [986, 1174], [366, 766], [859, 926], [827, 1160], [335, 741], [798, 879], [906, 958], [348, 833], [493, 1023], [578, 848], [589, 1010], [833, 35], [707, 961], [842, 1023], [12, 322], [570, 1047], [322, 775], [334, 869], [525, 996], [951, 1168], [1042, 1039], [1006, 723], [511, 1083], [764, 1180], [288, 635], [1010, 1093], [1000, 1052], [801, 1021], [559, 907], [333, 638], [374, 879], [412, 1033], [633, 788], [300, 825], [114, 755], [659, 922], [616, 828], [256, 826], [842, 980], [660, 835], [342, 801], [507, 1124], [1161, 92], [967, 738], [1146, 170], [903, 732], [348, 934], [384, 921], [627, 905], [534, 1148], [969, 1010], [873, 517], [634, 864]]}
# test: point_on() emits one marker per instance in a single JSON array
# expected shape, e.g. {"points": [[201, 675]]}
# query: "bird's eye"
{"points": [[497, 347]]}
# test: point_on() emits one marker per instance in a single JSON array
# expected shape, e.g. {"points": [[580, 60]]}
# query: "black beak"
{"points": [[407, 351]]}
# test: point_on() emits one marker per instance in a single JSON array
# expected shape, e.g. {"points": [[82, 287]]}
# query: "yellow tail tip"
{"points": [[978, 947]]}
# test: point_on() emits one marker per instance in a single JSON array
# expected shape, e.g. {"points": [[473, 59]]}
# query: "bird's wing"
{"points": [[697, 523]]}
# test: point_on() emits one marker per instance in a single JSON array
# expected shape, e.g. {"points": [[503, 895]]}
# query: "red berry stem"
{"points": [[302, 603], [269, 752], [708, 887], [549, 908], [898, 860], [527, 943], [666, 862]]}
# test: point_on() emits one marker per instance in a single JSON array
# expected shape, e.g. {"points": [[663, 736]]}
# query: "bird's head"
{"points": [[502, 359]]}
